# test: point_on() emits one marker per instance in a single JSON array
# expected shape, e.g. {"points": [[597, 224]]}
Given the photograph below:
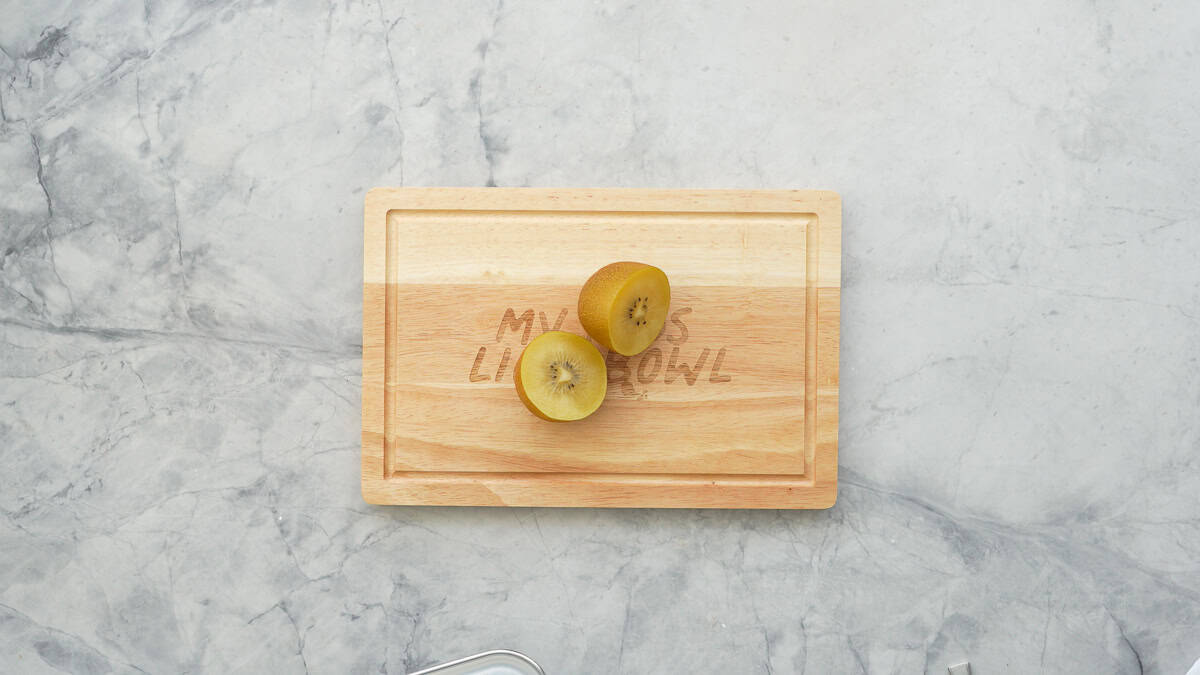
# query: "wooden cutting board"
{"points": [[734, 406]]}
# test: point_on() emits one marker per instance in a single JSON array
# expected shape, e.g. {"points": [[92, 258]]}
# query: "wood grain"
{"points": [[735, 405]]}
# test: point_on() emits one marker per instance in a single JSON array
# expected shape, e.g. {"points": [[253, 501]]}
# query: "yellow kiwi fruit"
{"points": [[561, 377], [623, 306]]}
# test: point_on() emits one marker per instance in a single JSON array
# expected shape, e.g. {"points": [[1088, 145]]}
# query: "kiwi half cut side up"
{"points": [[624, 305], [561, 377]]}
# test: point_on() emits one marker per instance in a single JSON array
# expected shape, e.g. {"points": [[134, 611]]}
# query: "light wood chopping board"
{"points": [[734, 406]]}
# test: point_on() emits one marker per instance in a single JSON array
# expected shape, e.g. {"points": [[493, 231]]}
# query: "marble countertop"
{"points": [[181, 194]]}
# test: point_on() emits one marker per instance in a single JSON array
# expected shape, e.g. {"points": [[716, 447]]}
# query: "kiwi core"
{"points": [[563, 374], [638, 312]]}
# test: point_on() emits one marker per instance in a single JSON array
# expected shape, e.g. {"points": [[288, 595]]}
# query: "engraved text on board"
{"points": [[677, 364]]}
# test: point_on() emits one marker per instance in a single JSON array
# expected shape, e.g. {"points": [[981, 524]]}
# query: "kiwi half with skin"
{"points": [[561, 377], [623, 306]]}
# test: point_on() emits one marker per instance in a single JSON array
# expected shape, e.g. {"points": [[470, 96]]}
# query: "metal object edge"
{"points": [[467, 659]]}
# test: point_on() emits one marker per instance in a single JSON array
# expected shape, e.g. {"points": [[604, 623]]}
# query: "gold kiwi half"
{"points": [[623, 306], [561, 377]]}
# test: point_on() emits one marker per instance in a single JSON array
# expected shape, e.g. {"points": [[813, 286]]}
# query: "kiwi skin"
{"points": [[521, 392], [597, 297]]}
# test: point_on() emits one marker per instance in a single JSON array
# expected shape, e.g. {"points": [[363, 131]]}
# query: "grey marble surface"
{"points": [[180, 246]]}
